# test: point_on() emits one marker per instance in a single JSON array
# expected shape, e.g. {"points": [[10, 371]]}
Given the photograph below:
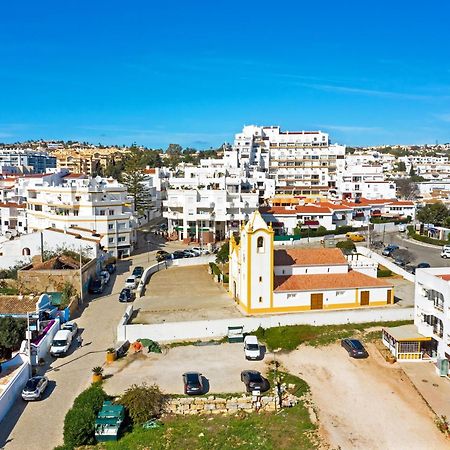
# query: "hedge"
{"points": [[79, 423], [323, 232], [389, 220], [381, 273], [418, 237]]}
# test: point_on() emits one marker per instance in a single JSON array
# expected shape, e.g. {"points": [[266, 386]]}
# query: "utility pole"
{"points": [[28, 336], [81, 275], [42, 246]]}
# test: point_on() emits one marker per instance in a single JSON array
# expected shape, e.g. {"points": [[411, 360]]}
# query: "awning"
{"points": [[311, 223], [405, 333]]}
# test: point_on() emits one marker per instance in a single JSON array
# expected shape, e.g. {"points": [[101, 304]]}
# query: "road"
{"points": [[39, 425]]}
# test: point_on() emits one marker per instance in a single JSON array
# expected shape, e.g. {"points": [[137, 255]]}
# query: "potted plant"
{"points": [[97, 374], [110, 355]]}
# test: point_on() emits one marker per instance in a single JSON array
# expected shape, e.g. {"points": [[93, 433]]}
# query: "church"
{"points": [[265, 280]]}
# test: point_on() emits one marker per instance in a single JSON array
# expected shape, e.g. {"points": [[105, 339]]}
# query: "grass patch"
{"points": [[197, 343], [290, 429], [300, 387], [290, 337]]}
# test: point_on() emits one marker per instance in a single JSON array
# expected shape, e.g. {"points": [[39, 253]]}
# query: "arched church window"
{"points": [[260, 245]]}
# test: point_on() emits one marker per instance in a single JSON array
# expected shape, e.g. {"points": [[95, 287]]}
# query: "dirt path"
{"points": [[364, 404]]}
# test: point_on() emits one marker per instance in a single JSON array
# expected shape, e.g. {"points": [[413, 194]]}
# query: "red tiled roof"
{"points": [[309, 257], [12, 304], [330, 281], [445, 277], [12, 205]]}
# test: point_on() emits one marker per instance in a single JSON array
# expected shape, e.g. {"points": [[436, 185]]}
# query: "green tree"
{"points": [[12, 332], [223, 254], [406, 188], [174, 149], [401, 166], [437, 214], [135, 179]]}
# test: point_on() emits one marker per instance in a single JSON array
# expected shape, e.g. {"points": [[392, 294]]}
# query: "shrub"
{"points": [[79, 423], [418, 237], [346, 246], [12, 332], [143, 402], [381, 273], [215, 268]]}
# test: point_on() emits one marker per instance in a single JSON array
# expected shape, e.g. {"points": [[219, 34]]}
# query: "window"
{"points": [[110, 240], [260, 279], [38, 207], [260, 245], [338, 293], [291, 296], [121, 239], [110, 226], [111, 212], [102, 212], [260, 300]]}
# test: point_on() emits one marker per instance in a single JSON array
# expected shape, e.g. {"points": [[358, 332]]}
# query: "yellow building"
{"points": [[267, 280]]}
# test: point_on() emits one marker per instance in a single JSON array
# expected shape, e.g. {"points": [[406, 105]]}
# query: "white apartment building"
{"points": [[28, 160], [365, 180], [432, 310], [157, 183], [300, 162], [77, 202], [209, 202]]}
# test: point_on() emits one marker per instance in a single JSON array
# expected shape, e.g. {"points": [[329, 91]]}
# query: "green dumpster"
{"points": [[108, 422]]}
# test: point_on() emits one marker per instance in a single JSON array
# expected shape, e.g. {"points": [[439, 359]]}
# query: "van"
{"points": [[61, 343], [251, 347]]}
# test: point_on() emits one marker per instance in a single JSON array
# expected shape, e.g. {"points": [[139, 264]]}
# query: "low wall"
{"points": [[218, 405], [42, 349], [386, 263], [14, 387], [206, 329], [387, 227]]}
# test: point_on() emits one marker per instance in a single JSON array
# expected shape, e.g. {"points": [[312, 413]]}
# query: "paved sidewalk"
{"points": [[433, 388], [39, 425]]}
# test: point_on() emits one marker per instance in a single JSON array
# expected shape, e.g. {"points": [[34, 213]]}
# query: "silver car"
{"points": [[34, 388]]}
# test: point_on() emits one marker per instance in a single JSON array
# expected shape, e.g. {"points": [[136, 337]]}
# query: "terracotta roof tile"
{"points": [[330, 281], [309, 257], [12, 304]]}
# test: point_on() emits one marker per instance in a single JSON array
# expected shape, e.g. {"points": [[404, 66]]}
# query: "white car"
{"points": [[252, 349], [445, 253], [402, 228], [131, 282], [72, 327], [200, 251], [34, 388]]}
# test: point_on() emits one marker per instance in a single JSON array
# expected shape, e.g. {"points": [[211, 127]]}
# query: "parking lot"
{"points": [[184, 294], [221, 365]]}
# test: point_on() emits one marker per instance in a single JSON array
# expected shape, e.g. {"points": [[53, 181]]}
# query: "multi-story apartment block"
{"points": [[209, 202], [368, 181], [71, 202], [300, 162], [27, 160]]}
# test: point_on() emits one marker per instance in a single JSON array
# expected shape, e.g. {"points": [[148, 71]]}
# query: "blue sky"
{"points": [[195, 72]]}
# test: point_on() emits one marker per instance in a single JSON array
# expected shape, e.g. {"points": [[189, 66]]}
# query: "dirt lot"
{"points": [[364, 404], [220, 364], [183, 294]]}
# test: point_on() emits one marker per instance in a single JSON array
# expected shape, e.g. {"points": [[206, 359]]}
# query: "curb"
{"points": [[422, 244]]}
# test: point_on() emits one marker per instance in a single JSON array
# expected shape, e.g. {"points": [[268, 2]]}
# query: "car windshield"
{"points": [[96, 284], [192, 378], [130, 280], [125, 293], [252, 347], [32, 384], [59, 343], [255, 377], [357, 345], [68, 326]]}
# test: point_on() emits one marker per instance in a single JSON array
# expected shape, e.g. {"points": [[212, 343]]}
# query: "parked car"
{"points": [[34, 388], [422, 265], [355, 237], [126, 295], [177, 254], [193, 384], [131, 282], [72, 327], [254, 381], [162, 256], [388, 250], [202, 251], [106, 276], [96, 286], [400, 261], [354, 348], [402, 228], [111, 268], [195, 250], [251, 347], [138, 271], [61, 343], [189, 254], [445, 253]]}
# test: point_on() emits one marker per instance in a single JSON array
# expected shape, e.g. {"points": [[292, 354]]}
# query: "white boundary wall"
{"points": [[179, 331], [386, 263]]}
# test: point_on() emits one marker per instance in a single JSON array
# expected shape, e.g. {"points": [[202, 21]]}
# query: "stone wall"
{"points": [[219, 405]]}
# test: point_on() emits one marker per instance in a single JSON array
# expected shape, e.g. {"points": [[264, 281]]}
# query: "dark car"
{"points": [[111, 268], [138, 271], [177, 254], [96, 286], [400, 261], [354, 348], [389, 250], [162, 256], [422, 265], [254, 381], [126, 295], [193, 384]]}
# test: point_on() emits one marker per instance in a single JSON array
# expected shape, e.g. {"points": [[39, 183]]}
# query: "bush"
{"points": [[390, 220], [79, 423], [215, 269], [226, 278], [346, 246], [383, 273], [12, 332], [322, 231], [418, 237], [143, 402]]}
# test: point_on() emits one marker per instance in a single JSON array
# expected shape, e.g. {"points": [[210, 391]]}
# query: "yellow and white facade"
{"points": [[263, 280]]}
